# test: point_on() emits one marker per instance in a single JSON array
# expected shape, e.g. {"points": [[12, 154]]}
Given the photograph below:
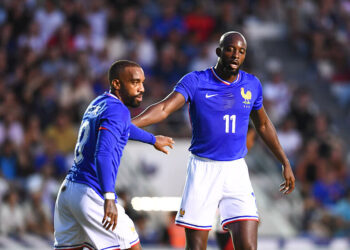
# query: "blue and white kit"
{"points": [[219, 113], [104, 131]]}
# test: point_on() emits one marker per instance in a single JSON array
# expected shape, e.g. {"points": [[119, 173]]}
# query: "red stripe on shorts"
{"points": [[196, 228], [223, 226], [137, 242]]}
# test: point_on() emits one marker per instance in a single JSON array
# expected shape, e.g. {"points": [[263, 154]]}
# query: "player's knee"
{"points": [[244, 244], [196, 243], [250, 245]]}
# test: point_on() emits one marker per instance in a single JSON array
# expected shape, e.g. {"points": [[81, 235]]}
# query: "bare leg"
{"points": [[136, 247], [196, 239], [244, 234]]}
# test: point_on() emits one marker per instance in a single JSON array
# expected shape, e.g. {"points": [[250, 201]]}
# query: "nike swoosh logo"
{"points": [[208, 96]]}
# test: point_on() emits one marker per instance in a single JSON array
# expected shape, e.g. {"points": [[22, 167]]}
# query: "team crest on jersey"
{"points": [[95, 110], [182, 212], [247, 96]]}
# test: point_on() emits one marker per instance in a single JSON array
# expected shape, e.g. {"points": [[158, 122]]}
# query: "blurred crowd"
{"points": [[54, 57]]}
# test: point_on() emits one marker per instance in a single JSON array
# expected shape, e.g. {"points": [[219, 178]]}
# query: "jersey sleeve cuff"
{"points": [[109, 196]]}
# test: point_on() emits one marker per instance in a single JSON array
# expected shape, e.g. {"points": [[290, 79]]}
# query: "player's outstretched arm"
{"points": [[159, 142], [267, 132], [162, 142], [159, 111]]}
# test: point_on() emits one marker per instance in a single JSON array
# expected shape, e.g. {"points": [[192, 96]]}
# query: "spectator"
{"points": [[303, 111], [46, 106], [8, 160], [328, 190], [277, 94], [290, 139], [309, 166], [11, 129], [49, 18], [200, 23], [97, 19], [82, 39], [12, 215], [63, 40], [50, 157], [33, 134], [53, 63], [38, 217], [32, 38], [19, 16], [62, 133], [168, 22], [202, 61], [145, 51], [79, 93], [341, 211], [47, 185]]}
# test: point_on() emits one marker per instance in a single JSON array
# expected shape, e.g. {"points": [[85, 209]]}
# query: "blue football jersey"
{"points": [[105, 113], [219, 112]]}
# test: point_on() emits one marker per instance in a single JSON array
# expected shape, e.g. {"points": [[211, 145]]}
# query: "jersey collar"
{"points": [[223, 81], [112, 95]]}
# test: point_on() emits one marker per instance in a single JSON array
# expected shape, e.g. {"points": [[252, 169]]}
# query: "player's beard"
{"points": [[231, 71], [227, 69], [128, 99], [133, 102]]}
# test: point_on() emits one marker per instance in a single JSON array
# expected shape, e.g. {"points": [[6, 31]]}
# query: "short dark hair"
{"points": [[117, 67], [228, 34]]}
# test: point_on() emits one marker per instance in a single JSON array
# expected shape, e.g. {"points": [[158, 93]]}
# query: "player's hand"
{"points": [[111, 215], [289, 181], [162, 142]]}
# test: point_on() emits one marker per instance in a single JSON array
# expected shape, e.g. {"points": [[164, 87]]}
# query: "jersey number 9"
{"points": [[82, 139]]}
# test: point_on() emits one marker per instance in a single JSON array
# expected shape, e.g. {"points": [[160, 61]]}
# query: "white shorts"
{"points": [[78, 221], [216, 184]]}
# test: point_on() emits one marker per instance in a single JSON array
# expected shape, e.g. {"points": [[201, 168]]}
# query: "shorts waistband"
{"points": [[210, 160]]}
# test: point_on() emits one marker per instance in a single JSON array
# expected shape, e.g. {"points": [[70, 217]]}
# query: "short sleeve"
{"points": [[187, 86], [259, 99], [115, 119]]}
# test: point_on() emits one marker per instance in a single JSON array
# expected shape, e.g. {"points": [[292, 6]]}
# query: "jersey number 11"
{"points": [[227, 119]]}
